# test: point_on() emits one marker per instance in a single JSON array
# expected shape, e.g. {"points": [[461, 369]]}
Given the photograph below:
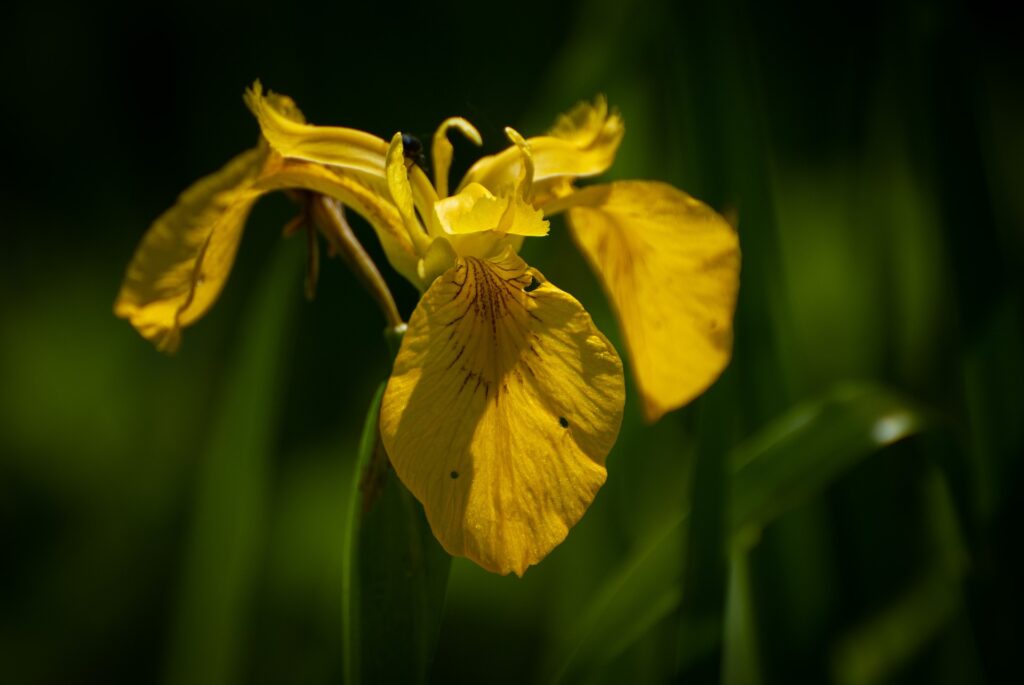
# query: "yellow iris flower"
{"points": [[505, 398]]}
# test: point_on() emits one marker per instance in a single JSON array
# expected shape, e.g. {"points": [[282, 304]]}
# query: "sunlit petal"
{"points": [[475, 209], [471, 210], [670, 266], [583, 142], [504, 402]]}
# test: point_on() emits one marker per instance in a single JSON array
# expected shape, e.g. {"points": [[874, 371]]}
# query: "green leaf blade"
{"points": [[396, 573]]}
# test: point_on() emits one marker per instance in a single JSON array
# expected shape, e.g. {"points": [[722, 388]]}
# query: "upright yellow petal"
{"points": [[670, 266], [442, 150], [582, 143], [524, 184], [402, 195], [504, 402]]}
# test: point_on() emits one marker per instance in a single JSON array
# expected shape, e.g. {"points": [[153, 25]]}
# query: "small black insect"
{"points": [[563, 422], [454, 474], [412, 150]]}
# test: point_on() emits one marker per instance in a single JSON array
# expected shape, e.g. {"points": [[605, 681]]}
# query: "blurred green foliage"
{"points": [[839, 507]]}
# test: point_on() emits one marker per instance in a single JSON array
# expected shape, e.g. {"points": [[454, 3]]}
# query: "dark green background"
{"points": [[178, 519]]}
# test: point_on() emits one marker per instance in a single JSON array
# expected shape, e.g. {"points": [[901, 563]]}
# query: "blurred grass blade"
{"points": [[395, 573], [740, 654], [784, 464], [875, 650], [232, 482], [631, 602], [809, 447]]}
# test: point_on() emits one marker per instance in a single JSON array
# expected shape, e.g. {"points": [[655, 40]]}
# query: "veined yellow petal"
{"points": [[503, 404], [475, 209], [184, 259], [344, 147], [582, 143], [442, 150], [670, 265]]}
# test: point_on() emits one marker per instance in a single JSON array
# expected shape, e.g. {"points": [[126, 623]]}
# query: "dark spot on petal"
{"points": [[563, 422], [454, 474], [534, 284]]}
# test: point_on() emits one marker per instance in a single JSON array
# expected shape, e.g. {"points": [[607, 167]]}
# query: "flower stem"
{"points": [[329, 217]]}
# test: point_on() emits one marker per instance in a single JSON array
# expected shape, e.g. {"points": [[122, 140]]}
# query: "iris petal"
{"points": [[670, 265], [503, 404], [442, 150], [183, 261], [582, 143], [475, 209], [335, 145]]}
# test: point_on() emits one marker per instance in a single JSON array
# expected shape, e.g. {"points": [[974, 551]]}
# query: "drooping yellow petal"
{"points": [[670, 265], [582, 143], [442, 150], [343, 147], [504, 402], [475, 209], [184, 259]]}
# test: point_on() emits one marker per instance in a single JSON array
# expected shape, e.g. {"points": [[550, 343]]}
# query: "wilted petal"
{"points": [[670, 266], [504, 401]]}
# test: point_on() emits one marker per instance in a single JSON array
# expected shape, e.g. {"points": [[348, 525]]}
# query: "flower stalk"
{"points": [[329, 217]]}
